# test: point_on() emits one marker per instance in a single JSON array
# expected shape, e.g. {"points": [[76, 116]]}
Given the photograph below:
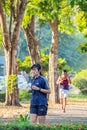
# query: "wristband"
{"points": [[39, 89]]}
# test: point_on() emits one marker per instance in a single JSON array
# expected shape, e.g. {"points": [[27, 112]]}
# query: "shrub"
{"points": [[2, 96], [27, 126], [25, 118], [24, 95], [80, 81]]}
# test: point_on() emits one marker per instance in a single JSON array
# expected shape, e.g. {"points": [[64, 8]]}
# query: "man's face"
{"points": [[35, 72], [64, 74]]}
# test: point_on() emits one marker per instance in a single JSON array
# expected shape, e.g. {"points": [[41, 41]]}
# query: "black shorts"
{"points": [[40, 110]]}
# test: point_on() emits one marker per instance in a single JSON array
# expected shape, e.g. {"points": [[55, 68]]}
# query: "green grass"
{"points": [[77, 98]]}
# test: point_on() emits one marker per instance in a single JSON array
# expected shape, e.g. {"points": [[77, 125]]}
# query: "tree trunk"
{"points": [[12, 97], [32, 43], [10, 43], [53, 97]]}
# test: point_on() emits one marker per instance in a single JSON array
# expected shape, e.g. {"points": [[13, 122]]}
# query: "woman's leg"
{"points": [[41, 119], [33, 113], [42, 112], [33, 118]]}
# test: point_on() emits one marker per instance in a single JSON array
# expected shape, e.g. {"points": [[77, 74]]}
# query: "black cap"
{"points": [[38, 66]]}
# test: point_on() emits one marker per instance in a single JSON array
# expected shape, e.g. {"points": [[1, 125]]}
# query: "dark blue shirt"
{"points": [[38, 97]]}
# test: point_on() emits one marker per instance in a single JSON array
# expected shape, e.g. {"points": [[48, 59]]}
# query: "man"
{"points": [[63, 83]]}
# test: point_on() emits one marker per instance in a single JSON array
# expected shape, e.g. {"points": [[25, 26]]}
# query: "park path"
{"points": [[75, 113]]}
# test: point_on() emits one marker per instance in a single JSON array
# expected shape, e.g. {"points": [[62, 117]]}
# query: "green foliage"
{"points": [[1, 51], [62, 10], [22, 47], [24, 65], [81, 21], [48, 12], [83, 5], [24, 95], [45, 61], [83, 47], [27, 126], [65, 18], [67, 47], [31, 10], [67, 50], [72, 3], [59, 10], [2, 96], [82, 74], [11, 83], [25, 118], [80, 81], [62, 64], [6, 6], [81, 14], [1, 47], [0, 37]]}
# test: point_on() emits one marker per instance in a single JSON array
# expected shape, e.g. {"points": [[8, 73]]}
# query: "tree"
{"points": [[28, 26], [1, 48], [14, 10], [33, 46], [42, 10], [51, 12], [81, 20]]}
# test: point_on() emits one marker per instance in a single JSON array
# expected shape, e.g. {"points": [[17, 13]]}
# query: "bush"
{"points": [[80, 81], [24, 95], [27, 126], [2, 96]]}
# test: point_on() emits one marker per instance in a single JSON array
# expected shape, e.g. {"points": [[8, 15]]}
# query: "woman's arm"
{"points": [[45, 90], [41, 89]]}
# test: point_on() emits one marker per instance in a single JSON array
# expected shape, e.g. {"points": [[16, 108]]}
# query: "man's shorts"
{"points": [[40, 110], [63, 93]]}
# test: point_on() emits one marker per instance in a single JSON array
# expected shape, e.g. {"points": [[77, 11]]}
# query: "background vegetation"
{"points": [[68, 45]]}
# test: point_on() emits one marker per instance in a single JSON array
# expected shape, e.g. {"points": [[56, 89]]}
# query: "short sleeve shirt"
{"points": [[38, 97]]}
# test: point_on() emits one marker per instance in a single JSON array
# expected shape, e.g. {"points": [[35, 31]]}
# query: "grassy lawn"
{"points": [[77, 98]]}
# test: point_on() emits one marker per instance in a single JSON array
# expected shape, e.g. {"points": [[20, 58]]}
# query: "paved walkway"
{"points": [[73, 114]]}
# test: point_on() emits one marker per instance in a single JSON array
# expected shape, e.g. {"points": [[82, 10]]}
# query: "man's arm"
{"points": [[69, 80], [59, 81]]}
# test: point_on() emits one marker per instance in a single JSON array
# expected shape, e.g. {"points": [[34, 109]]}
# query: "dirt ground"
{"points": [[75, 112]]}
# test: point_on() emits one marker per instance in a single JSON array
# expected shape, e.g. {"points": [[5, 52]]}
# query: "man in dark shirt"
{"points": [[40, 89]]}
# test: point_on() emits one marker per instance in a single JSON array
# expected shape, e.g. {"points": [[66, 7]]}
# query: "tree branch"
{"points": [[6, 40], [18, 21]]}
